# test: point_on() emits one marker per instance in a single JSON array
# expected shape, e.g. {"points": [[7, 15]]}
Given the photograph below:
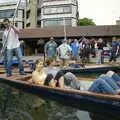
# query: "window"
{"points": [[56, 22], [50, 0], [38, 2], [7, 13], [28, 1], [56, 9], [28, 14], [28, 25], [16, 24]]}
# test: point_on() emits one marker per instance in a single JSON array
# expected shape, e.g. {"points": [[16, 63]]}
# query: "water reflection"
{"points": [[17, 105]]}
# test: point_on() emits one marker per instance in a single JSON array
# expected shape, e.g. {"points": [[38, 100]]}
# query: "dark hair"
{"points": [[48, 79], [58, 76], [6, 20], [51, 38], [37, 61], [48, 61]]}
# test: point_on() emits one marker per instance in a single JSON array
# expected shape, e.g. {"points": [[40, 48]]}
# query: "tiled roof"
{"points": [[90, 31]]}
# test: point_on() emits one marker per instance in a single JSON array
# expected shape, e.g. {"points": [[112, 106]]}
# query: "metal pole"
{"points": [[5, 43], [15, 12], [64, 29]]}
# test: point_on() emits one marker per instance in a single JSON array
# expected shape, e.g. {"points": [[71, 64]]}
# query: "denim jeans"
{"points": [[100, 57], [113, 56], [116, 78], [5, 60], [110, 81], [18, 53], [104, 84]]}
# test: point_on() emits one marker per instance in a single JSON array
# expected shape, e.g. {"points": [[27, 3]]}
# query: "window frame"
{"points": [[57, 7]]}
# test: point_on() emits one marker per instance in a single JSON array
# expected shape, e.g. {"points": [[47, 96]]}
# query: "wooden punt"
{"points": [[93, 102], [93, 69]]}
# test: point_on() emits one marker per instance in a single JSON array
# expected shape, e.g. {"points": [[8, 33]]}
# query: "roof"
{"points": [[7, 3], [89, 31]]}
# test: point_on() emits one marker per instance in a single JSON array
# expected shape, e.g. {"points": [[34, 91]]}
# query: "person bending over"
{"points": [[59, 76], [108, 83]]}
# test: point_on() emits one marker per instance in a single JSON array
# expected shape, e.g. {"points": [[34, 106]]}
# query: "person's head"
{"points": [[69, 41], [84, 39], [39, 64], [51, 38], [49, 81], [6, 22], [49, 61], [64, 41], [75, 40], [100, 40], [114, 39]]}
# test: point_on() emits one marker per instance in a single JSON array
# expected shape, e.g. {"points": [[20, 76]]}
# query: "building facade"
{"points": [[118, 21], [31, 14], [59, 13], [37, 37], [7, 11], [51, 13]]}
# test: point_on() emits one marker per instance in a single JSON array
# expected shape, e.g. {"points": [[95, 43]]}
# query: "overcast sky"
{"points": [[103, 12]]}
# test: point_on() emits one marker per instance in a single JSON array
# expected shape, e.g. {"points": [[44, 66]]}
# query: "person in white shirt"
{"points": [[64, 51], [12, 46]]}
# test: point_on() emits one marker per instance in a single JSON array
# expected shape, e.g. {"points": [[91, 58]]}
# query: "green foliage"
{"points": [[86, 22]]}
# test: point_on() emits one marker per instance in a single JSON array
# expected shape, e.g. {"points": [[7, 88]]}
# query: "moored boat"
{"points": [[99, 69], [91, 69], [75, 98]]}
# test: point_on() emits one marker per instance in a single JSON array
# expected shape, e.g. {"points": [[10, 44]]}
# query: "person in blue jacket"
{"points": [[114, 50]]}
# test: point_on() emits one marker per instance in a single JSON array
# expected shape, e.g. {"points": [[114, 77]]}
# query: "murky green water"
{"points": [[18, 105]]}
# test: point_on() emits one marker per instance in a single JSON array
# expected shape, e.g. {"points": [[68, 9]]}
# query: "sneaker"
{"points": [[8, 75], [22, 73]]}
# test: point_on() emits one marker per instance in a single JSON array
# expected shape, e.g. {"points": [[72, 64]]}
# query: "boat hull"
{"points": [[96, 70], [82, 100]]}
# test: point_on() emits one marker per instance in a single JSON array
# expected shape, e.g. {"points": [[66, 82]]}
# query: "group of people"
{"points": [[81, 50], [47, 74]]}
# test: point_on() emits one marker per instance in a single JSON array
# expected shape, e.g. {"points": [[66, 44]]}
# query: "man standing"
{"points": [[75, 48], [100, 54], [50, 48], [114, 50], [13, 46], [64, 51]]}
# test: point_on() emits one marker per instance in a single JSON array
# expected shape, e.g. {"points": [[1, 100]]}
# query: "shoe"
{"points": [[118, 92], [22, 73], [8, 75]]}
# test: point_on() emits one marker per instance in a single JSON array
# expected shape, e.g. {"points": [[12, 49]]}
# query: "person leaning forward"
{"points": [[13, 46]]}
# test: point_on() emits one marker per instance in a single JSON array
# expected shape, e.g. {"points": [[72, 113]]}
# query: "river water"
{"points": [[18, 105]]}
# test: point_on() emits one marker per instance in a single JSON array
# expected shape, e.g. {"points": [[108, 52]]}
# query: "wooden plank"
{"points": [[75, 92]]}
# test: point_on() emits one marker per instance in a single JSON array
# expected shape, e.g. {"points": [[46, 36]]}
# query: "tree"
{"points": [[86, 22]]}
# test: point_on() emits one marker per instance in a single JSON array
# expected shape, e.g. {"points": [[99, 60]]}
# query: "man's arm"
{"points": [[14, 28], [45, 48], [117, 49]]}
